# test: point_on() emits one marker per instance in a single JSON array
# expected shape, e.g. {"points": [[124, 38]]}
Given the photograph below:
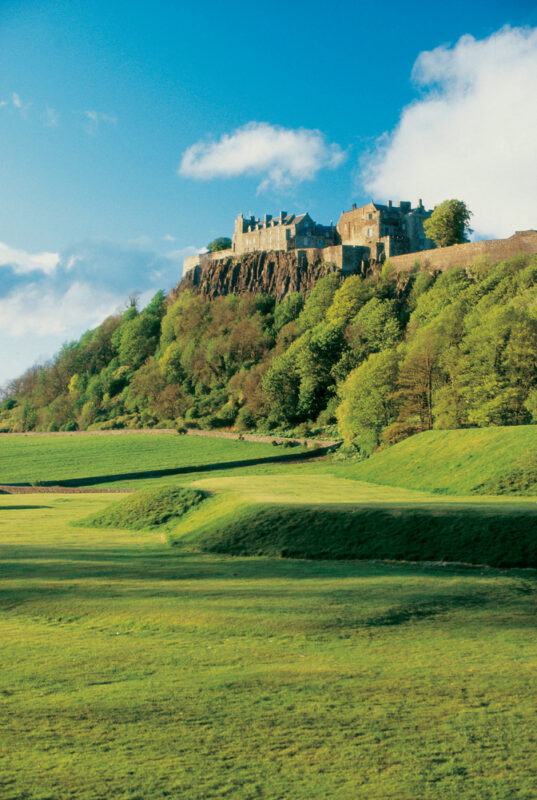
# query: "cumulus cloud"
{"points": [[470, 135], [22, 262], [48, 298], [50, 311], [284, 156]]}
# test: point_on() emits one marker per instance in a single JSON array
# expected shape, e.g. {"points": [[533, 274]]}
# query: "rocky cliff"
{"points": [[274, 273]]}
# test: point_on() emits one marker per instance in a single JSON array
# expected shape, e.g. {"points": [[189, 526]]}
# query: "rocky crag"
{"points": [[278, 273]]}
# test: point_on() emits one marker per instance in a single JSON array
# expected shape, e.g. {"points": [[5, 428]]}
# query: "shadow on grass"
{"points": [[232, 586], [20, 508], [485, 534], [96, 480]]}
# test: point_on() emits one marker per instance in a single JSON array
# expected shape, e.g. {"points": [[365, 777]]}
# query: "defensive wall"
{"points": [[201, 259], [464, 255]]}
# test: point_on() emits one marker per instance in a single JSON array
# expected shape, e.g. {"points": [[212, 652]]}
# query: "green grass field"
{"points": [[127, 460], [135, 670], [477, 460]]}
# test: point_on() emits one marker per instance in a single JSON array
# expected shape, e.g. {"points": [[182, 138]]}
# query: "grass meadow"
{"points": [[135, 670], [127, 461]]}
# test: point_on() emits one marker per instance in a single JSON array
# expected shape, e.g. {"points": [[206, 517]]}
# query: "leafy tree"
{"points": [[138, 339], [375, 327], [417, 380], [449, 223], [319, 301], [349, 298], [288, 310], [367, 401], [222, 243]]}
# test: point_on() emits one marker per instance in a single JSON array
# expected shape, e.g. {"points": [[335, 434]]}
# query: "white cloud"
{"points": [[169, 238], [284, 156], [48, 298], [471, 135], [15, 102], [47, 312], [22, 262], [94, 119]]}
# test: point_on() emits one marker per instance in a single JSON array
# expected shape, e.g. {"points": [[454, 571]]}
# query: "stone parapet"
{"points": [[464, 255]]}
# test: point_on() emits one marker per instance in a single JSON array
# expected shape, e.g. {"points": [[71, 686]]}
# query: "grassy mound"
{"points": [[148, 508], [478, 533], [474, 461]]}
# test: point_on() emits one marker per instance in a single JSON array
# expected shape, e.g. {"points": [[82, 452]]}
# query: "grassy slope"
{"points": [[131, 670], [127, 460], [456, 462], [321, 516]]}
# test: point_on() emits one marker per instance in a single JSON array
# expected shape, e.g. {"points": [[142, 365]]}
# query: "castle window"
{"points": [[370, 231], [370, 216]]}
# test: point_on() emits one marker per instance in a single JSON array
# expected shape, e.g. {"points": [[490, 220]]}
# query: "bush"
{"points": [[245, 419]]}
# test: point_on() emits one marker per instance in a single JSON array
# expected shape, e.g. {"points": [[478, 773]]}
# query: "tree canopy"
{"points": [[371, 360], [449, 223], [222, 243]]}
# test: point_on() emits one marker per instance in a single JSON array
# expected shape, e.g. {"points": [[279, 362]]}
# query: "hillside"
{"points": [[371, 360], [497, 460]]}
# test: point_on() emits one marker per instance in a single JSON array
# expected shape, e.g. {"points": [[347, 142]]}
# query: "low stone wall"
{"points": [[464, 255], [200, 259]]}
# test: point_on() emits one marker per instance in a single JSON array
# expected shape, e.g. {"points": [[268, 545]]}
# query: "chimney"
{"points": [[283, 214], [420, 203], [268, 217], [354, 206], [389, 203]]}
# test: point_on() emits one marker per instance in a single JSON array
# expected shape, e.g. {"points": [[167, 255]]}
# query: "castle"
{"points": [[364, 235], [363, 239]]}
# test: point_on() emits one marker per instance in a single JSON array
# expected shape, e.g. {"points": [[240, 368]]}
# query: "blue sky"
{"points": [[132, 134]]}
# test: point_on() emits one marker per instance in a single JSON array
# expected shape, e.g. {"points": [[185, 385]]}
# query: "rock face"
{"points": [[275, 273]]}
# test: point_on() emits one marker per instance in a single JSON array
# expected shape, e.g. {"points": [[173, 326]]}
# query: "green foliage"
{"points": [[146, 509], [349, 298], [319, 301], [463, 343], [222, 243], [288, 310], [367, 401], [449, 223]]}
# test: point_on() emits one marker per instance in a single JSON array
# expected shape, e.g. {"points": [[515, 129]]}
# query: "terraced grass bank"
{"points": [[472, 461], [130, 669], [323, 517]]}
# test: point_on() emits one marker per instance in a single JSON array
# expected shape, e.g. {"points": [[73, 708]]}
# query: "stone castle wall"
{"points": [[464, 255]]}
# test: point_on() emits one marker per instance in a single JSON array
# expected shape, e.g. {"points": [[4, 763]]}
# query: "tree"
{"points": [[367, 401], [222, 243], [319, 301], [448, 224]]}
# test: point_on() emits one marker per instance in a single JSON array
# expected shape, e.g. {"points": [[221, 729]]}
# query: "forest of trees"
{"points": [[374, 360]]}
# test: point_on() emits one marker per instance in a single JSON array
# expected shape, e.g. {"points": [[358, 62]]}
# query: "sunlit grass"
{"points": [[134, 670], [482, 460]]}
